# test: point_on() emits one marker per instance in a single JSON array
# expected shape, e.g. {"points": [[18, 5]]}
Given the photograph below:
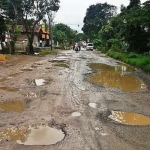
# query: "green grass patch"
{"points": [[139, 61], [48, 52], [62, 65]]}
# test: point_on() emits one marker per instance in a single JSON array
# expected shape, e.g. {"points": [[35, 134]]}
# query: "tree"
{"points": [[81, 37], [133, 3], [63, 34], [35, 10], [97, 16]]}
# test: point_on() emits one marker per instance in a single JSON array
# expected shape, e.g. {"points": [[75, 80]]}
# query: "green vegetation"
{"points": [[124, 36], [62, 65], [136, 60], [29, 13], [48, 52]]}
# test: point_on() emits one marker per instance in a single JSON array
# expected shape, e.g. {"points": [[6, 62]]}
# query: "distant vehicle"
{"points": [[90, 46]]}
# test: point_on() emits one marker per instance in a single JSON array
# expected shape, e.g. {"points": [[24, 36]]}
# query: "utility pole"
{"points": [[50, 28]]}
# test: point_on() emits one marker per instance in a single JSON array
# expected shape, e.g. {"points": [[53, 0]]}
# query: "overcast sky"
{"points": [[72, 12]]}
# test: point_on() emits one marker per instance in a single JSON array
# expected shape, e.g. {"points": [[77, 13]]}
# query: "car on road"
{"points": [[89, 46]]}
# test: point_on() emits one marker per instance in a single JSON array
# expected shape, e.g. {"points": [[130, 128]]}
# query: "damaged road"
{"points": [[73, 101]]}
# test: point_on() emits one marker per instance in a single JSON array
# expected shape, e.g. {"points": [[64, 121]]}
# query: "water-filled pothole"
{"points": [[76, 114], [125, 82], [16, 106], [129, 118], [33, 135], [121, 67], [9, 89]]}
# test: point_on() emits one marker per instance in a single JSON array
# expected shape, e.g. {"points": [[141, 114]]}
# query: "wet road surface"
{"points": [[75, 101]]}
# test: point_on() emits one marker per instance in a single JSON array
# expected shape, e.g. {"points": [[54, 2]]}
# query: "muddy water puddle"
{"points": [[113, 76], [129, 118], [125, 82], [121, 67], [16, 106], [9, 89], [33, 135]]}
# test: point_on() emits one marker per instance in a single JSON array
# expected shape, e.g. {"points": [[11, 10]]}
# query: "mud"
{"points": [[92, 105], [9, 89], [16, 106], [62, 65], [129, 118], [68, 91], [121, 67], [33, 135], [76, 114], [124, 82]]}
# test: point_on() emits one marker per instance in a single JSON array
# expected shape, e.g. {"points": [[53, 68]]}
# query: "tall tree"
{"points": [[35, 10], [97, 16], [133, 3], [63, 34]]}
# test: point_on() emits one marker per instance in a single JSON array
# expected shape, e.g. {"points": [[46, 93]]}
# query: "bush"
{"points": [[133, 55], [133, 59], [47, 52]]}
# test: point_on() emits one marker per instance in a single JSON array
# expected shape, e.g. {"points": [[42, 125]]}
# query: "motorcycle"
{"points": [[76, 48]]}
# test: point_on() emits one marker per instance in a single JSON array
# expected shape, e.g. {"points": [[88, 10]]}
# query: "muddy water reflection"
{"points": [[129, 118], [115, 77], [9, 89], [16, 106], [33, 135], [125, 82], [121, 67]]}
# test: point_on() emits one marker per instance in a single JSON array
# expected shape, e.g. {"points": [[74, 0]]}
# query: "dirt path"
{"points": [[67, 90]]}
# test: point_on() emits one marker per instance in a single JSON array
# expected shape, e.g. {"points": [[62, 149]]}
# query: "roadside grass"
{"points": [[139, 61], [48, 52]]}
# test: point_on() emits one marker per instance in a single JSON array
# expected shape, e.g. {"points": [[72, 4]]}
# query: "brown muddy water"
{"points": [[9, 89], [33, 135], [129, 118], [113, 76], [16, 106], [121, 67]]}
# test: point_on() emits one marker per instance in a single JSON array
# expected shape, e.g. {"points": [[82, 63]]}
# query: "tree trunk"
{"points": [[12, 44], [31, 50]]}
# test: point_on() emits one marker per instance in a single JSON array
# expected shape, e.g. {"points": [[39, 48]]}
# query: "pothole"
{"points": [[33, 135], [9, 89], [121, 67], [125, 82], [129, 118], [76, 114], [92, 105], [16, 106]]}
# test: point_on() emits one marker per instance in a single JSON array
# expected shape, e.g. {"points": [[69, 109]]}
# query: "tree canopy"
{"points": [[97, 16], [128, 31], [64, 34]]}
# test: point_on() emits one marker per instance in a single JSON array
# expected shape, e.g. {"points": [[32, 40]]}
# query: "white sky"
{"points": [[72, 12]]}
